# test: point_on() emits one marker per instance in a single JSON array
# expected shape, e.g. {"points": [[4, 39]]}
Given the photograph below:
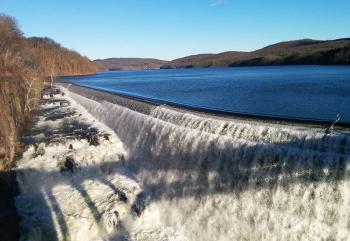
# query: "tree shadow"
{"points": [[50, 202], [59, 215], [170, 165], [224, 168], [9, 219], [208, 171]]}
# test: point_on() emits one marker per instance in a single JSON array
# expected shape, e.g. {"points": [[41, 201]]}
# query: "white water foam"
{"points": [[83, 205], [201, 179], [227, 180]]}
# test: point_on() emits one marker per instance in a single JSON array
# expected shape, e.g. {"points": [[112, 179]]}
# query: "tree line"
{"points": [[298, 52], [24, 65]]}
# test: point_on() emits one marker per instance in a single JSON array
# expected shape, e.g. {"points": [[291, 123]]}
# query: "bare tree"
{"points": [[32, 84], [52, 74], [329, 129]]}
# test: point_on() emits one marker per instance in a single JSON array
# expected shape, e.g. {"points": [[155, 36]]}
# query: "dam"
{"points": [[177, 174]]}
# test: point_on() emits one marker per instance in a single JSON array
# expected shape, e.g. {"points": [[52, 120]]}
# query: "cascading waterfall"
{"points": [[257, 132], [217, 179], [200, 177]]}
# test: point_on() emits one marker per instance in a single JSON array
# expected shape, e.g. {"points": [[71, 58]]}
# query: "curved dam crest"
{"points": [[300, 93], [216, 179]]}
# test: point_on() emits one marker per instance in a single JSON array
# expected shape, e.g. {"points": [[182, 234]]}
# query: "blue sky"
{"points": [[169, 29]]}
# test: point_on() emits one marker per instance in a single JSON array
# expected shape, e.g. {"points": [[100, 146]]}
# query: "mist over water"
{"points": [[304, 92], [210, 179]]}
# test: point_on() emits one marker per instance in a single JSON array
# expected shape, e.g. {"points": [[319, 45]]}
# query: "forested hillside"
{"points": [[58, 60], [299, 52], [130, 63], [24, 64]]}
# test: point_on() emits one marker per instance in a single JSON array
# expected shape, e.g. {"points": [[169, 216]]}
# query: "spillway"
{"points": [[211, 178]]}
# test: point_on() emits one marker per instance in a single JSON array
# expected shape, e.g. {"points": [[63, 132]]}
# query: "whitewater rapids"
{"points": [[201, 178]]}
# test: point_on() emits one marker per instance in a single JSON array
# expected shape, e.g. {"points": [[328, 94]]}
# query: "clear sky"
{"points": [[169, 29]]}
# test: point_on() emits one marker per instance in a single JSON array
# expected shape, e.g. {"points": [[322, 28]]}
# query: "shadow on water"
{"points": [[201, 167], [48, 198], [69, 127], [236, 169], [59, 215]]}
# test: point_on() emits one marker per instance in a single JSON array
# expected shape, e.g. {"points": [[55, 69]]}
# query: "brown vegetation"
{"points": [[20, 87], [130, 63], [24, 63], [298, 52], [58, 60]]}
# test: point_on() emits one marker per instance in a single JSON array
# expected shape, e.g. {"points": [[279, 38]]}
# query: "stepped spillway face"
{"points": [[206, 178]]}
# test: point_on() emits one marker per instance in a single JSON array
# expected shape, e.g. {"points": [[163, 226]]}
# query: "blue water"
{"points": [[303, 92]]}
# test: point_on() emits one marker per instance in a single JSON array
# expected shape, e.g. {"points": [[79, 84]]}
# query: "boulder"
{"points": [[69, 164]]}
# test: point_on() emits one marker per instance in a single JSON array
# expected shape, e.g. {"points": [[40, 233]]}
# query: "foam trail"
{"points": [[213, 179]]}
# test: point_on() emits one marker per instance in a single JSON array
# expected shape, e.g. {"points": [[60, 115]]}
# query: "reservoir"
{"points": [[293, 92]]}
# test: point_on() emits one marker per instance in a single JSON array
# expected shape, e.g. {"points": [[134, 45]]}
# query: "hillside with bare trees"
{"points": [[130, 63], [58, 60], [299, 52], [24, 64]]}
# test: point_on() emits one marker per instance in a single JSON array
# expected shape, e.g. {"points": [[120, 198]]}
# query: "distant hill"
{"points": [[130, 63], [299, 52]]}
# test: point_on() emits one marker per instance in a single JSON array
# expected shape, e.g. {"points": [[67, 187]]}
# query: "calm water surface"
{"points": [[305, 92]]}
